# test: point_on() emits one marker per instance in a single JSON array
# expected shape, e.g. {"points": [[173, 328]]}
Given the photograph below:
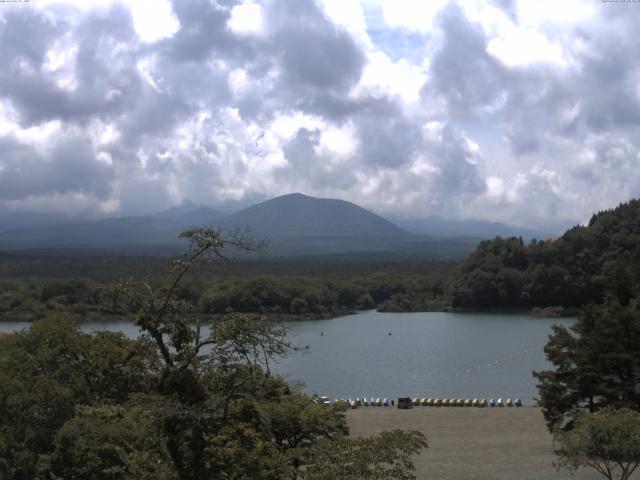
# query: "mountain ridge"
{"points": [[294, 225]]}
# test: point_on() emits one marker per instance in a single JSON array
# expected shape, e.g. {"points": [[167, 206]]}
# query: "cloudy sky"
{"points": [[525, 111]]}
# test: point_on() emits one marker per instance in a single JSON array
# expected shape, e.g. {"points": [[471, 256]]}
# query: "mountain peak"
{"points": [[293, 196], [296, 215]]}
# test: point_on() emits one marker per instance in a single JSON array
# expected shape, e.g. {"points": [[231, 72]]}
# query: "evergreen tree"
{"points": [[596, 363]]}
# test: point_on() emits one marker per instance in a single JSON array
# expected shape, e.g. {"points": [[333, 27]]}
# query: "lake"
{"points": [[434, 354]]}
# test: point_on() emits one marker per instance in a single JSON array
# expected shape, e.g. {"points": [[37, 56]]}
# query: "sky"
{"points": [[519, 111]]}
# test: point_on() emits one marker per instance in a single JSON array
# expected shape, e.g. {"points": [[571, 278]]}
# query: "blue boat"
{"points": [[385, 402], [517, 402], [492, 403]]}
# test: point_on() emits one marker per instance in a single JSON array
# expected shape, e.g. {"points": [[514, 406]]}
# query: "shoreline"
{"points": [[538, 312]]}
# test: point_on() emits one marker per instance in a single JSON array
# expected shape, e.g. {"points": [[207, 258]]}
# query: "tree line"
{"points": [[578, 268], [590, 397], [280, 296]]}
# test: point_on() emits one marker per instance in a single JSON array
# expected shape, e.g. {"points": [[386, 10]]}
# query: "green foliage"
{"points": [[297, 290], [607, 441], [385, 456], [297, 423], [35, 299], [112, 442], [50, 369], [292, 295], [596, 363], [406, 293], [580, 267]]}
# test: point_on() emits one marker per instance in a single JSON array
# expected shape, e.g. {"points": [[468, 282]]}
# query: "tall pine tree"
{"points": [[596, 363]]}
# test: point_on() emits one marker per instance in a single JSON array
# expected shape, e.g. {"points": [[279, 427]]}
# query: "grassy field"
{"points": [[473, 443]]}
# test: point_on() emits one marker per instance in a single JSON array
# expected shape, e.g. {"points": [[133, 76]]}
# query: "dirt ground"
{"points": [[472, 443]]}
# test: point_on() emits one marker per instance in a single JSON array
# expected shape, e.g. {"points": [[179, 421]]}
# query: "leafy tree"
{"points": [[228, 415], [46, 371], [596, 363], [112, 442], [607, 441], [385, 456]]}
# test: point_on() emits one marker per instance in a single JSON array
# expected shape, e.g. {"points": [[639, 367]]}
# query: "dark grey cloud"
{"points": [[611, 71], [305, 62], [70, 166], [104, 72], [458, 166], [314, 52], [25, 35], [465, 75], [306, 168], [203, 32], [388, 138]]}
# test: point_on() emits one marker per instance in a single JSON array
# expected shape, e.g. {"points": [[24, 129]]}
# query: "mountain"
{"points": [[116, 233], [438, 227], [293, 225], [300, 216], [299, 225], [16, 220], [190, 218]]}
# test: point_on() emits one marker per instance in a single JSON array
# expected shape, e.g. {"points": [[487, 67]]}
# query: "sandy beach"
{"points": [[473, 443]]}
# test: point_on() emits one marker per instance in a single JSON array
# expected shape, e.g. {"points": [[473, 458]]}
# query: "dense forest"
{"points": [[283, 290], [573, 270]]}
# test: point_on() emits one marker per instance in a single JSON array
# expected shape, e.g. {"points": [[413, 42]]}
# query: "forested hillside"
{"points": [[578, 268]]}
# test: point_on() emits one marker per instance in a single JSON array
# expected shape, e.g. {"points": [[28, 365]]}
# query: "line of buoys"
{"points": [[511, 356], [427, 402]]}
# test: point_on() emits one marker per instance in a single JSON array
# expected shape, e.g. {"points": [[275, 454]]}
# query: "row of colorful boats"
{"points": [[427, 402], [466, 402]]}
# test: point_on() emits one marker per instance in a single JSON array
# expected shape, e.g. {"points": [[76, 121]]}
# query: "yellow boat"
{"points": [[378, 402]]}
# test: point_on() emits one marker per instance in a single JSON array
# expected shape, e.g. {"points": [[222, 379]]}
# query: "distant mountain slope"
{"points": [[293, 225], [299, 216], [119, 232], [12, 220], [580, 267], [438, 227]]}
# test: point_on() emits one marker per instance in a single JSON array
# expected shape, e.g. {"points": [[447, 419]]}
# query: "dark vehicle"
{"points": [[405, 402]]}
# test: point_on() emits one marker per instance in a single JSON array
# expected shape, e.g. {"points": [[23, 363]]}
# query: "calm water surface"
{"points": [[427, 354]]}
